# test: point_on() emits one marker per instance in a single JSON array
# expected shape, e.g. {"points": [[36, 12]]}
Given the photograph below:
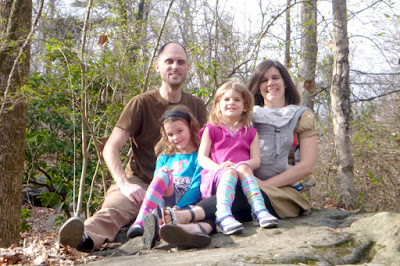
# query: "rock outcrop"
{"points": [[322, 237]]}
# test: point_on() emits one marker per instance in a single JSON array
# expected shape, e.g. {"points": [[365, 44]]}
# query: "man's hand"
{"points": [[133, 192]]}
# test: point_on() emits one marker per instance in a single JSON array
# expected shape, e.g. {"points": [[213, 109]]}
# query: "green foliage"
{"points": [[54, 134], [306, 195], [50, 141], [363, 140], [49, 199], [374, 179], [362, 137], [375, 152], [59, 220], [25, 214], [361, 202]]}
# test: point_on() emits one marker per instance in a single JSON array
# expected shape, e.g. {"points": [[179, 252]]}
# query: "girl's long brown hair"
{"points": [[163, 146]]}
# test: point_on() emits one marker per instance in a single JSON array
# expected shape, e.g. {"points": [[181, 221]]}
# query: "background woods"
{"points": [[88, 58]]}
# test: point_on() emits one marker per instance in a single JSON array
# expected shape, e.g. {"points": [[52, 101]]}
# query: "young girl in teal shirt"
{"points": [[176, 181]]}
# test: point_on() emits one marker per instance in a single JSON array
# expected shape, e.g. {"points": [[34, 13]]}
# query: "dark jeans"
{"points": [[241, 209]]}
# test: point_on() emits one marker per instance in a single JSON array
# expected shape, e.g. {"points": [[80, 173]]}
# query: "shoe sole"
{"points": [[150, 235], [272, 224], [175, 235], [134, 232], [71, 233], [267, 222], [233, 231]]}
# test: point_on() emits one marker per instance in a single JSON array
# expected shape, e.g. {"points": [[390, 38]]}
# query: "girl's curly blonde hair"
{"points": [[216, 116], [175, 113]]}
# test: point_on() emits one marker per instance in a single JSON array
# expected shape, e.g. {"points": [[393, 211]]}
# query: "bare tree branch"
{"points": [[156, 46], [21, 50], [353, 14], [374, 97], [377, 45], [376, 74], [316, 92]]}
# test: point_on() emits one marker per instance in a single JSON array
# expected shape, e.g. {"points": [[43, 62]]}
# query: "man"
{"points": [[139, 122]]}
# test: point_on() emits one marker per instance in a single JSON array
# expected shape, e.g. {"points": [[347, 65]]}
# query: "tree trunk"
{"points": [[288, 58], [340, 97], [13, 113], [84, 103], [309, 50]]}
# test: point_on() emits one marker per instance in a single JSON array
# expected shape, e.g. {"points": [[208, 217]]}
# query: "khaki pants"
{"points": [[286, 201], [116, 212]]}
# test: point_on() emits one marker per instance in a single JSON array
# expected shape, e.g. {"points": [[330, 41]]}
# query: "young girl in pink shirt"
{"points": [[229, 151]]}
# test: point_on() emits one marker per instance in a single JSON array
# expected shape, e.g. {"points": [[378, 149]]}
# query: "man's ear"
{"points": [[156, 66]]}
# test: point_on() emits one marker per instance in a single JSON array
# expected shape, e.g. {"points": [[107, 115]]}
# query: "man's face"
{"points": [[172, 65]]}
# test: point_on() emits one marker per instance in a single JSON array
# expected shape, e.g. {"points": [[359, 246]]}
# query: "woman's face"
{"points": [[178, 133], [272, 88]]}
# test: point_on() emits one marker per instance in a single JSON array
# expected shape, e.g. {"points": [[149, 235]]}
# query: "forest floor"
{"points": [[39, 246]]}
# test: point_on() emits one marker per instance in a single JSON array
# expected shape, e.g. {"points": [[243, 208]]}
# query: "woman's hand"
{"points": [[308, 157]]}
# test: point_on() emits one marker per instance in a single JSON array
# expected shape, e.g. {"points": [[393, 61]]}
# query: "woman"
{"points": [[277, 102], [274, 92]]}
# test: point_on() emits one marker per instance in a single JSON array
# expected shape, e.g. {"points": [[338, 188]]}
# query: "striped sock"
{"points": [[153, 196], [225, 195], [253, 194]]}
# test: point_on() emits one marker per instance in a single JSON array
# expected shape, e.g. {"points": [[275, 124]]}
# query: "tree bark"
{"points": [[309, 51], [288, 58], [16, 19], [340, 97]]}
